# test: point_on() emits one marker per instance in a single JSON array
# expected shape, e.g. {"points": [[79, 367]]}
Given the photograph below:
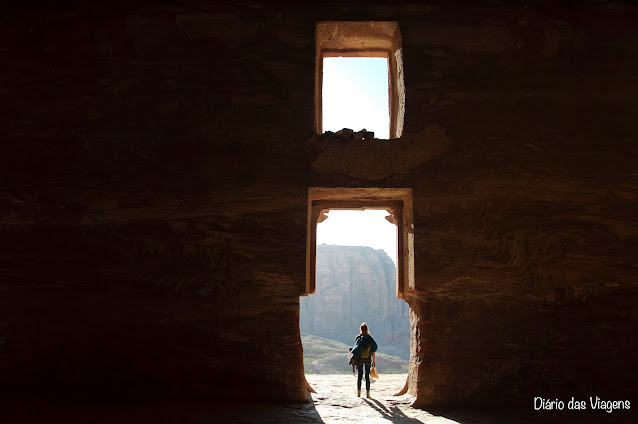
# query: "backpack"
{"points": [[364, 351], [361, 352]]}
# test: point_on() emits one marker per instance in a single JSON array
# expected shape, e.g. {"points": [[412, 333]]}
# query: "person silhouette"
{"points": [[364, 352]]}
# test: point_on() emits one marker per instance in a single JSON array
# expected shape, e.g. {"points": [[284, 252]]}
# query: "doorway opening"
{"points": [[362, 45], [359, 267]]}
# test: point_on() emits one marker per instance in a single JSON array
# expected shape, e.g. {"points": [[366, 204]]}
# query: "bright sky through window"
{"points": [[359, 228], [355, 95]]}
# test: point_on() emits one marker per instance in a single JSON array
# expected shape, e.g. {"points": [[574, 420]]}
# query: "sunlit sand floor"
{"points": [[336, 400]]}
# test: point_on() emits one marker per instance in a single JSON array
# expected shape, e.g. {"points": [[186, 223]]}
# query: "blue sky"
{"points": [[355, 94], [359, 228]]}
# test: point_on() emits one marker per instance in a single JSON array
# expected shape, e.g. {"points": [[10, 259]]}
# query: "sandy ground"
{"points": [[336, 401]]}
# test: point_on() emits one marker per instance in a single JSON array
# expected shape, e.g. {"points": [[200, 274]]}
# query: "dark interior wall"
{"points": [[154, 208], [526, 225], [156, 160]]}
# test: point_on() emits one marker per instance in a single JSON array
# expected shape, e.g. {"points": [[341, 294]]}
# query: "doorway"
{"points": [[357, 280]]}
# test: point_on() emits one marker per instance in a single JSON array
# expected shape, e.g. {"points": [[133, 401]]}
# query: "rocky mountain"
{"points": [[357, 284]]}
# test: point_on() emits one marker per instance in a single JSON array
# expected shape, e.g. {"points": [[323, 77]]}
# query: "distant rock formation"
{"points": [[357, 284], [325, 356]]}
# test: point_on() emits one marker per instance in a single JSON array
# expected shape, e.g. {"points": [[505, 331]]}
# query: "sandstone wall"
{"points": [[155, 164]]}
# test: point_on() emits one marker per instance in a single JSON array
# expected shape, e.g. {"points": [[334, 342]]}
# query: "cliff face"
{"points": [[357, 284]]}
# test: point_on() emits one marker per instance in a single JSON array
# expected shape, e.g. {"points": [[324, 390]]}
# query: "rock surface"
{"points": [[154, 173], [356, 284]]}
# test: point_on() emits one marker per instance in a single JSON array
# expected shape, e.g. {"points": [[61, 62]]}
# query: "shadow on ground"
{"points": [[359, 410], [41, 412], [392, 413]]}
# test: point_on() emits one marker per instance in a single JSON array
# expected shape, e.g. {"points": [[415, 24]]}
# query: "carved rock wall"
{"points": [[154, 170]]}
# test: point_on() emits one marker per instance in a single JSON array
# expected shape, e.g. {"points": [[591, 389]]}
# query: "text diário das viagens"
{"points": [[595, 403]]}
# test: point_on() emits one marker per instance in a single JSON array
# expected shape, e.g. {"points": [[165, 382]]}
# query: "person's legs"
{"points": [[367, 367], [359, 376]]}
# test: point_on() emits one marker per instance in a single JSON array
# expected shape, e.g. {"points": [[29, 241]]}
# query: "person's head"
{"points": [[364, 329]]}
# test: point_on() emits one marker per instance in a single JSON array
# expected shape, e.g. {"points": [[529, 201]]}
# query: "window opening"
{"points": [[355, 94], [349, 40]]}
